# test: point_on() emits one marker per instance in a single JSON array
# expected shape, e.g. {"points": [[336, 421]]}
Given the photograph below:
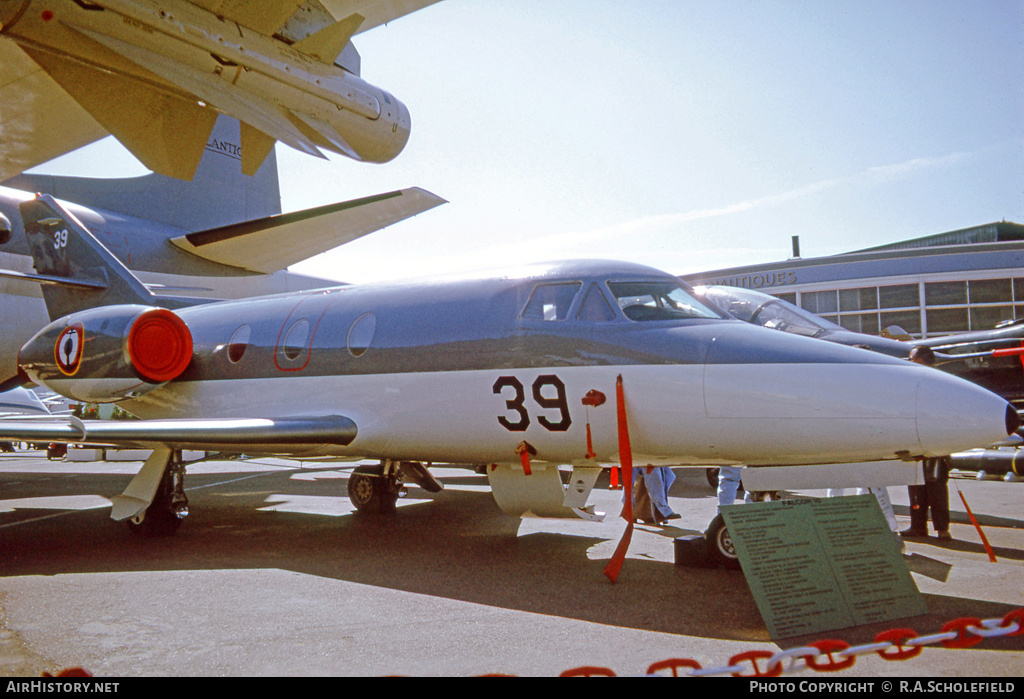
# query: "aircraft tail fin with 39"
{"points": [[75, 270]]}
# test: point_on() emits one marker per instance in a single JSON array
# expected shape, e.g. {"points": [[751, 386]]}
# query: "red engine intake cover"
{"points": [[159, 345]]}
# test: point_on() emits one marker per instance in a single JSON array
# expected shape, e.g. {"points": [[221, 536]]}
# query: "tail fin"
{"points": [[218, 195], [75, 270]]}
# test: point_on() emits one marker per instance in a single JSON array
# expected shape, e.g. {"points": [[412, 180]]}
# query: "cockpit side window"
{"points": [[595, 307], [551, 301], [659, 300]]}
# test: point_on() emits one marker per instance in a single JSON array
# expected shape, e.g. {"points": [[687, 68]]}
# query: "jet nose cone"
{"points": [[954, 414]]}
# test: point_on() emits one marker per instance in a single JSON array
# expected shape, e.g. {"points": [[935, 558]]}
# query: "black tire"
{"points": [[712, 475], [369, 492], [159, 519], [720, 546]]}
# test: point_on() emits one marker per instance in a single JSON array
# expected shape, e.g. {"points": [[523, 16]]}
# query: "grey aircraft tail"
{"points": [[75, 270]]}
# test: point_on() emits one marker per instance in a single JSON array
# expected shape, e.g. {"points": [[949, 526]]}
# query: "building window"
{"points": [[922, 309], [1018, 289], [909, 320], [901, 296], [866, 323], [990, 291], [987, 317], [858, 299], [819, 302], [944, 294], [942, 321]]}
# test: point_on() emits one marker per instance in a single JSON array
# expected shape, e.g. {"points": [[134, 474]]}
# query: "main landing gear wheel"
{"points": [[372, 491], [720, 546], [169, 508]]}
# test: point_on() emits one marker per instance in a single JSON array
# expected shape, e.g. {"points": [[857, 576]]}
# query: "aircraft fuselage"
{"points": [[466, 370]]}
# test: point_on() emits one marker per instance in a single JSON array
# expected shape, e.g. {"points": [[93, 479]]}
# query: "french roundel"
{"points": [[68, 349]]}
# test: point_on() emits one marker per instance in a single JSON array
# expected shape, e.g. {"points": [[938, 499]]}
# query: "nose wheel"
{"points": [[375, 489]]}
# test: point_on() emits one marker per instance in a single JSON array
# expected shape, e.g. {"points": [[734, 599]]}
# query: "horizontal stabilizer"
{"points": [[253, 435], [270, 244], [54, 281]]}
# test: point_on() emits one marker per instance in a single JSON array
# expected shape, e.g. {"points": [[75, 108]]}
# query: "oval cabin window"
{"points": [[360, 335], [238, 344], [295, 339]]}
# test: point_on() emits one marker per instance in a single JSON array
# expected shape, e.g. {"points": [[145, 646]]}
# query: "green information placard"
{"points": [[819, 564]]}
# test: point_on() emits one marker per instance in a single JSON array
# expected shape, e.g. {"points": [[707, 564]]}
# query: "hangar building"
{"points": [[963, 280]]}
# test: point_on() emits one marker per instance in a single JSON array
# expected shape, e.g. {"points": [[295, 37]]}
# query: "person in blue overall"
{"points": [[658, 480]]}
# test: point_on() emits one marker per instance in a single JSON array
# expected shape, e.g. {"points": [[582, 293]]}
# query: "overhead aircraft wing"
{"points": [[267, 16], [251, 435], [375, 12], [57, 97], [166, 132], [38, 119], [270, 244]]}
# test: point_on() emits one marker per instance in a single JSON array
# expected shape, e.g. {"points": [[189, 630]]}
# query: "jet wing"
{"points": [[38, 119], [265, 16], [52, 103], [270, 244], [268, 16], [251, 435], [375, 12]]}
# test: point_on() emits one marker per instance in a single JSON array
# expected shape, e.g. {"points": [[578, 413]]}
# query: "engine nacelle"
{"points": [[109, 353]]}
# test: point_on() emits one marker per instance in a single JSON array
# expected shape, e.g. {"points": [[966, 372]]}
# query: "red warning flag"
{"points": [[626, 460]]}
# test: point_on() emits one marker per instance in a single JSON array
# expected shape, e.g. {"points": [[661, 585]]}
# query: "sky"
{"points": [[689, 135]]}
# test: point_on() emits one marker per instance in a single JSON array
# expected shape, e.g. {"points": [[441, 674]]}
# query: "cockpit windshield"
{"points": [[763, 309], [777, 316], [659, 300]]}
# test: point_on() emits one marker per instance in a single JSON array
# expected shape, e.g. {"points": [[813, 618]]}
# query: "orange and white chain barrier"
{"points": [[832, 655]]}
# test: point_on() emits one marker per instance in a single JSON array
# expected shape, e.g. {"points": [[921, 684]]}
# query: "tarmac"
{"points": [[273, 574]]}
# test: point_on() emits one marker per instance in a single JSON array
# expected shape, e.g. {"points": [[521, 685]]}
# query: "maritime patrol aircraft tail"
{"points": [[218, 195]]}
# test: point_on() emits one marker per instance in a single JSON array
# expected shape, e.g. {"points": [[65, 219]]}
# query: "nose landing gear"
{"points": [[375, 489], [169, 506]]}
